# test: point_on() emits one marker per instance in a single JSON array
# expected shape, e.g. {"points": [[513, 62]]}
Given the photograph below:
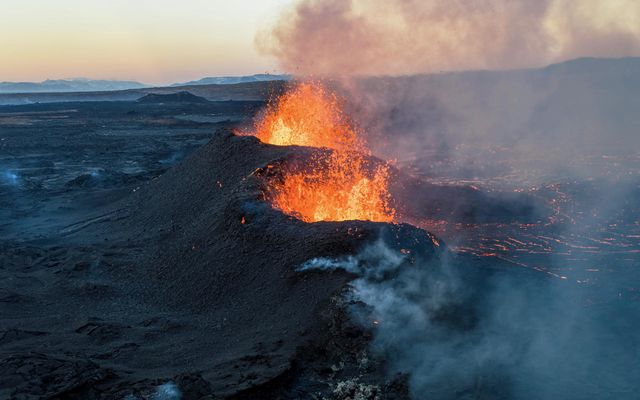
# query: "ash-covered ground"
{"points": [[139, 260]]}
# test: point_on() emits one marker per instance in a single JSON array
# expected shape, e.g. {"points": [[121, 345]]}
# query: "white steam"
{"points": [[460, 335], [166, 391], [373, 263]]}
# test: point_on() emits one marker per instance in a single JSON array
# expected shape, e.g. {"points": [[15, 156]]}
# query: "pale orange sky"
{"points": [[167, 41], [152, 41]]}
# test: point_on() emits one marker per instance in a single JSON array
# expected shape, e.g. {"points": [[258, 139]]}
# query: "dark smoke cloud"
{"points": [[381, 37]]}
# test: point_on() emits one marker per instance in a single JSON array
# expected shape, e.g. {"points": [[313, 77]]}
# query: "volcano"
{"points": [[198, 281], [272, 253], [206, 293]]}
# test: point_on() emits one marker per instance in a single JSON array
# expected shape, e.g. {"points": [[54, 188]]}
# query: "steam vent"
{"points": [[233, 273], [226, 243], [219, 251], [320, 200]]}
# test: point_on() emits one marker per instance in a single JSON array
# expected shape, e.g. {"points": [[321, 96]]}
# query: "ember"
{"points": [[308, 115], [337, 186]]}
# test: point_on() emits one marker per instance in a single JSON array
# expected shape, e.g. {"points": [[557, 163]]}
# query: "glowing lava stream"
{"points": [[337, 186]]}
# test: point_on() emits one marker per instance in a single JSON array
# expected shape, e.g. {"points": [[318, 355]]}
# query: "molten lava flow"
{"points": [[307, 115], [336, 186]]}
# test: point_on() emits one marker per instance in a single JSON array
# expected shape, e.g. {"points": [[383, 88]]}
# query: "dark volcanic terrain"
{"points": [[248, 91], [139, 260], [119, 277]]}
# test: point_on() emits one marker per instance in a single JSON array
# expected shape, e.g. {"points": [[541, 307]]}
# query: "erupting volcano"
{"points": [[338, 185], [308, 115]]}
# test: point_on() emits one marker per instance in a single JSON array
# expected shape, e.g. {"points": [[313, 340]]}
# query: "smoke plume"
{"points": [[457, 334], [378, 37]]}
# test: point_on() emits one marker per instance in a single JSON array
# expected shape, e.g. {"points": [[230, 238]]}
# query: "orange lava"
{"points": [[307, 115], [337, 186]]}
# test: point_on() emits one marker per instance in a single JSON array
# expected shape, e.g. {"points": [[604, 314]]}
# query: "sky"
{"points": [[167, 41], [152, 41]]}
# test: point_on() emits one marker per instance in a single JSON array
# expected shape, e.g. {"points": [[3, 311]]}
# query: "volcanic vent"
{"points": [[338, 184], [215, 246], [219, 263]]}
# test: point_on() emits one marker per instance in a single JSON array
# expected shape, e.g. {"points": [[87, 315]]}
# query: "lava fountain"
{"points": [[308, 115], [337, 185]]}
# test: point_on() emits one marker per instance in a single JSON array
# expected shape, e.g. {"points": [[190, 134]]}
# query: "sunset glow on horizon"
{"points": [[155, 42], [161, 41]]}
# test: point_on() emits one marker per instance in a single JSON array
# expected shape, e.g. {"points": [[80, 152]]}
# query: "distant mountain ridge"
{"points": [[102, 85], [573, 83], [69, 85], [227, 80], [591, 65]]}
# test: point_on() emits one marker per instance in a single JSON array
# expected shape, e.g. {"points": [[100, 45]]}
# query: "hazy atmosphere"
{"points": [[329, 200], [413, 36], [162, 42]]}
